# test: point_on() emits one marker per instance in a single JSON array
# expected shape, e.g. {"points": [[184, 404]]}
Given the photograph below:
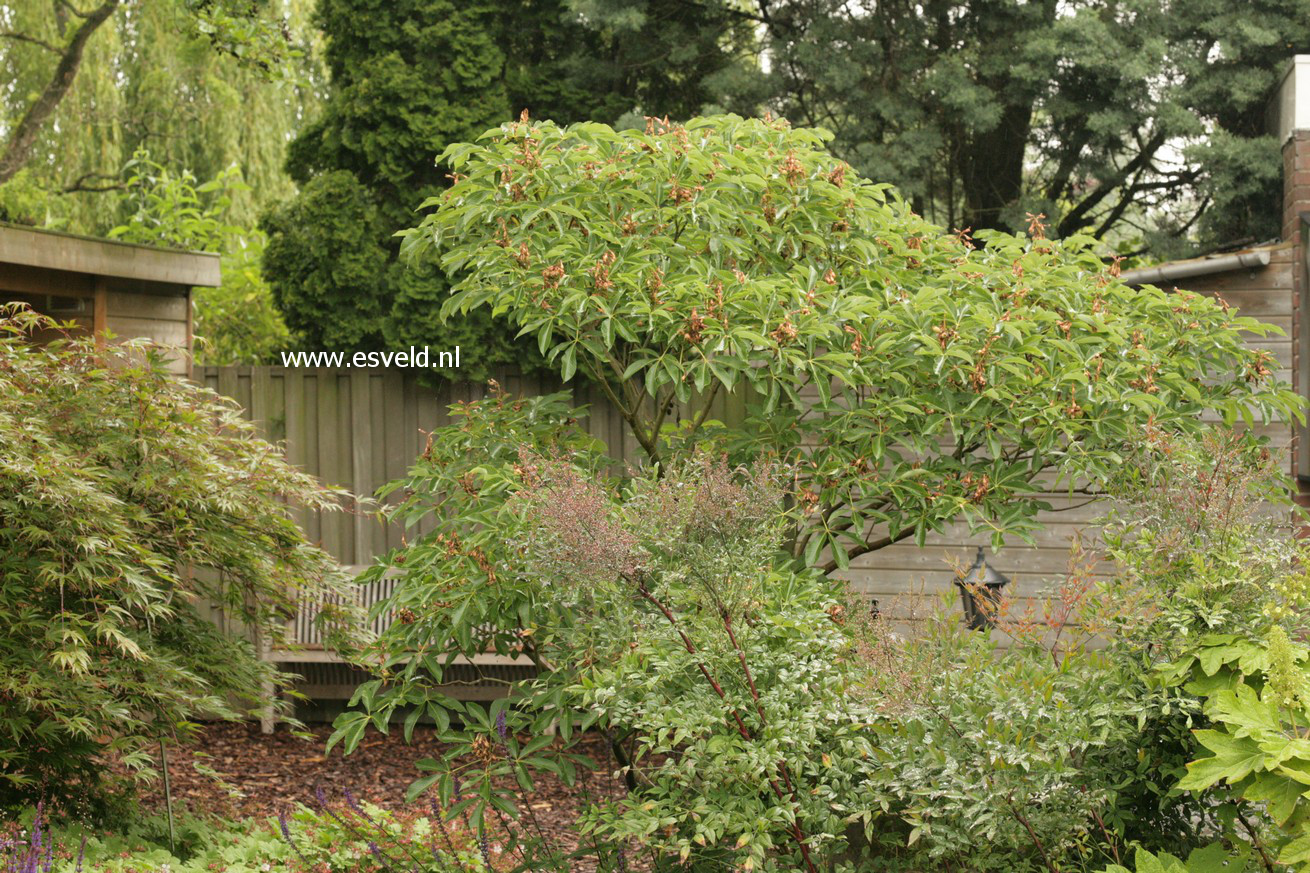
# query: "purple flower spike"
{"points": [[320, 796], [501, 727], [36, 829], [282, 824], [354, 805], [81, 854]]}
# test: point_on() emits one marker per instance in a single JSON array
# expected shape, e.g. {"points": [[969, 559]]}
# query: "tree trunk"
{"points": [[19, 150], [991, 169]]}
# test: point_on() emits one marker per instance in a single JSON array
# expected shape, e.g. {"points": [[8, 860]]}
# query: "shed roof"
{"points": [[55, 250], [1171, 272]]}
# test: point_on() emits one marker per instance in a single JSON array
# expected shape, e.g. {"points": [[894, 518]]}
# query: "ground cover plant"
{"points": [[130, 500], [335, 835], [1054, 755]]}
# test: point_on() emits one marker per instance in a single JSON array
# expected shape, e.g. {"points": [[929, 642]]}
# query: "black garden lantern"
{"points": [[980, 590]]}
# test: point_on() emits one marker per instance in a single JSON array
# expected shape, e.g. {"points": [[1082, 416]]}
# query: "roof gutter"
{"points": [[1169, 274]]}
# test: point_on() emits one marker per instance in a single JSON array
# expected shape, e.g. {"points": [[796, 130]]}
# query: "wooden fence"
{"points": [[361, 428]]}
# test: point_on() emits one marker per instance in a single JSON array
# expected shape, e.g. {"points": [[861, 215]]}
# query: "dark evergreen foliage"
{"points": [[410, 77]]}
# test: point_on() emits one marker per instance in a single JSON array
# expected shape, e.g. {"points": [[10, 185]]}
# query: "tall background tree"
{"points": [[1139, 121], [201, 86], [156, 119], [410, 77]]}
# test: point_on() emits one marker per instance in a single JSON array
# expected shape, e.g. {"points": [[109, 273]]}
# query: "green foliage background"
{"points": [[150, 79], [170, 136], [407, 79], [235, 323], [1135, 120]]}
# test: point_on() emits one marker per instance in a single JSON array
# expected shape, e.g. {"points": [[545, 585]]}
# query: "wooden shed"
{"points": [[115, 289]]}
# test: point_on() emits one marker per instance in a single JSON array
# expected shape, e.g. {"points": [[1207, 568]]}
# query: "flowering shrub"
{"points": [[911, 378], [130, 499], [926, 753], [713, 668], [719, 677], [899, 379]]}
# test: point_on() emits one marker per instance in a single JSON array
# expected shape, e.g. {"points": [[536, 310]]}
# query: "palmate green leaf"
{"points": [[1215, 858], [1242, 710], [1280, 794], [1234, 759], [1163, 863], [1297, 851]]}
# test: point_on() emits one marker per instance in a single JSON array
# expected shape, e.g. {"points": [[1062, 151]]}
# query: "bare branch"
{"points": [[85, 182], [23, 37], [1079, 216]]}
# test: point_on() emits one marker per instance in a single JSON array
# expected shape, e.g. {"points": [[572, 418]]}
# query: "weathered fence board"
{"points": [[361, 428]]}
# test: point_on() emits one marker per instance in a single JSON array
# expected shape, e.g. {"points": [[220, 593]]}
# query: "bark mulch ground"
{"points": [[261, 774]]}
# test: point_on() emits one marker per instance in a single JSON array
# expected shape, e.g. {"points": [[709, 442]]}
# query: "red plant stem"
{"points": [[1109, 840], [755, 695], [1023, 820], [797, 834], [691, 650], [741, 656]]}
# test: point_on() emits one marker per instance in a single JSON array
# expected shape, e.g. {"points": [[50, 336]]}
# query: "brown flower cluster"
{"points": [[554, 274], [784, 333], [792, 169], [600, 272]]}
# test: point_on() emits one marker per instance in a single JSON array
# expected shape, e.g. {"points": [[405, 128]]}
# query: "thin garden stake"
{"points": [[168, 797]]}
